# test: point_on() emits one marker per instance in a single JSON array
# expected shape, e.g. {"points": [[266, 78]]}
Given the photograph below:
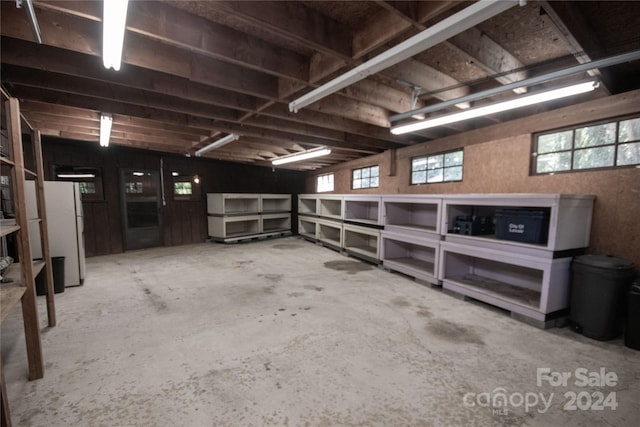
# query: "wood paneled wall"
{"points": [[497, 160], [184, 221]]}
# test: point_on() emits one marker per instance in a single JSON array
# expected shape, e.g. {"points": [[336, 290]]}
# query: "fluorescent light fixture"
{"points": [[76, 175], [599, 63], [105, 129], [217, 144], [305, 155], [174, 174], [114, 19], [31, 16], [497, 107], [138, 173], [469, 17]]}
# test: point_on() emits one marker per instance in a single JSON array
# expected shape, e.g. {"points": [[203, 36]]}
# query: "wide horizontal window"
{"points": [[441, 167], [593, 146]]}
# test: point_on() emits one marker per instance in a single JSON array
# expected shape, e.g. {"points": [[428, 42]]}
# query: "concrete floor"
{"points": [[286, 333]]}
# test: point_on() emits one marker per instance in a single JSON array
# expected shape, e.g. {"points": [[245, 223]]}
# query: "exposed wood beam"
{"points": [[81, 35], [294, 22], [114, 93], [572, 27], [61, 111], [182, 29], [489, 55], [28, 55]]}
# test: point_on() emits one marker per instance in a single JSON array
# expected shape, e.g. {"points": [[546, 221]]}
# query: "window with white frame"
{"points": [[324, 183], [593, 146], [441, 167], [365, 177]]}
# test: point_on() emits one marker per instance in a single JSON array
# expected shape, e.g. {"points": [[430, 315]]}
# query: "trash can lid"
{"points": [[604, 261]]}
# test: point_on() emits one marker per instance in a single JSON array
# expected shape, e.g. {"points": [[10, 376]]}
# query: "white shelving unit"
{"points": [[329, 232], [307, 204], [307, 227], [275, 203], [233, 203], [225, 227], [361, 241], [415, 256], [234, 217], [530, 286], [413, 214], [330, 206], [569, 220], [363, 209], [276, 222], [531, 279]]}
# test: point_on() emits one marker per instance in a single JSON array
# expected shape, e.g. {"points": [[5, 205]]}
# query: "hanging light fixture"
{"points": [[114, 19], [305, 155], [497, 107], [217, 144], [105, 129]]}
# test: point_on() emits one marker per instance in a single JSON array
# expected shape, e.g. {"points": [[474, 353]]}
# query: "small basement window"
{"points": [[594, 146], [441, 167], [89, 179], [324, 183], [365, 177], [186, 187]]}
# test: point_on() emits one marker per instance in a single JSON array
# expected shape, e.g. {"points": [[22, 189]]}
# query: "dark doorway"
{"points": [[140, 191]]}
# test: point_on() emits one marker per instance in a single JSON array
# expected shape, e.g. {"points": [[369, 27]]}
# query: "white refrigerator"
{"points": [[65, 224]]}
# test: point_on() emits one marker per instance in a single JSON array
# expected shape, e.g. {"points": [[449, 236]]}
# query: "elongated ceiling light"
{"points": [[76, 175], [105, 129], [114, 19], [217, 144], [305, 155], [31, 16], [469, 17], [497, 107]]}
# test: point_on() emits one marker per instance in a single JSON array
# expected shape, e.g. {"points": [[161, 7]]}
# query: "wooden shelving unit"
{"points": [[20, 276]]}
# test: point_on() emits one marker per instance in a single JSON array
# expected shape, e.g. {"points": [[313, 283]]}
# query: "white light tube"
{"points": [[306, 155], [114, 19], [76, 175], [497, 107], [105, 129], [443, 30], [219, 143]]}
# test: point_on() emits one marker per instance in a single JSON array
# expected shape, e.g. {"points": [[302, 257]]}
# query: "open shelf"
{"points": [[276, 222], [307, 227], [361, 241], [531, 286], [10, 296], [330, 232], [412, 214], [308, 204], [232, 203], [566, 226], [330, 206], [276, 203], [414, 256], [363, 209], [8, 230], [233, 226]]}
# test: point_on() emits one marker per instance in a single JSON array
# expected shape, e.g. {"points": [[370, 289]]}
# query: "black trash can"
{"points": [[57, 265], [632, 328], [599, 286]]}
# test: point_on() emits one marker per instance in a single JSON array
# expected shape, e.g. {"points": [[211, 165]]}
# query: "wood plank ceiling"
{"points": [[195, 71]]}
